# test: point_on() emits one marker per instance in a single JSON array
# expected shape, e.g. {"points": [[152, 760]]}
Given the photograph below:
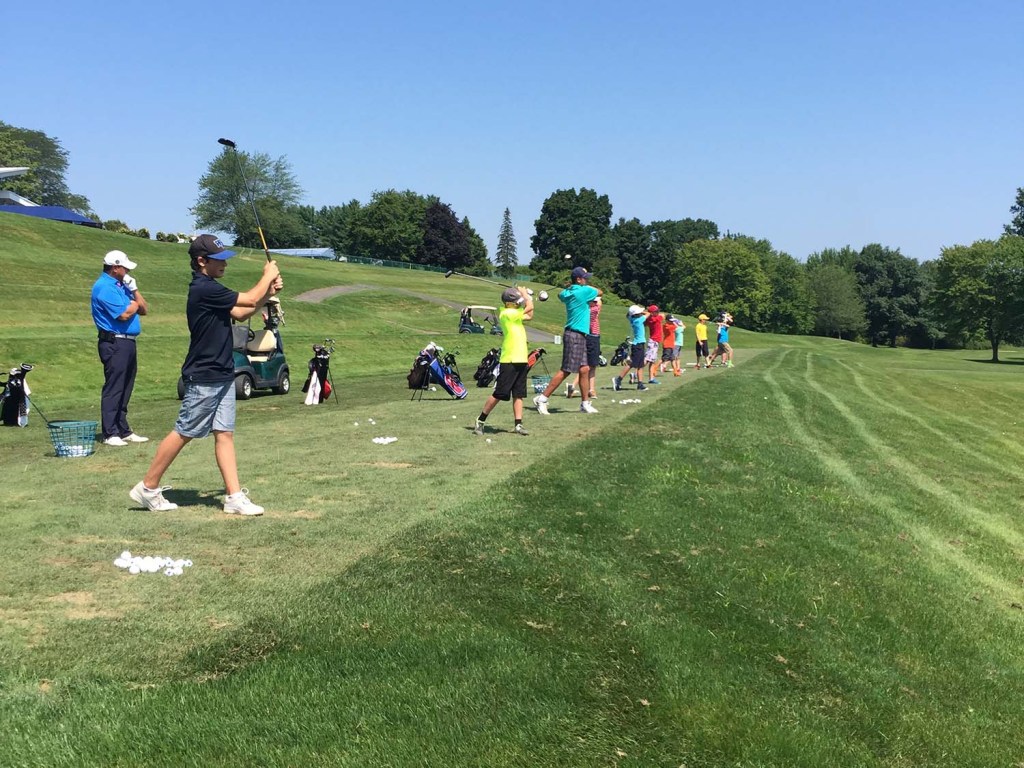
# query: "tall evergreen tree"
{"points": [[1016, 225], [505, 258]]}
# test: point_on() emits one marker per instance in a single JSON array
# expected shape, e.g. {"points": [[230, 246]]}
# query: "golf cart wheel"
{"points": [[181, 388], [243, 386], [464, 330], [284, 383]]}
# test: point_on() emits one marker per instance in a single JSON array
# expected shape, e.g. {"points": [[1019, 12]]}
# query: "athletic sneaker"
{"points": [[586, 407], [153, 500], [729, 364], [593, 395], [569, 390], [641, 387], [479, 429], [541, 403], [239, 504], [114, 440], [654, 381], [617, 383], [133, 438], [677, 373], [520, 430]]}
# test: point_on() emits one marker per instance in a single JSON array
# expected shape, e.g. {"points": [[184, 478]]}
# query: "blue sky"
{"points": [[813, 125]]}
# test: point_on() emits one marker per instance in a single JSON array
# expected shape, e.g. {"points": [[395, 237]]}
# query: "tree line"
{"points": [[971, 295]]}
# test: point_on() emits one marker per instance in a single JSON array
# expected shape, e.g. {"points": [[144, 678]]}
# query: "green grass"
{"points": [[811, 559]]}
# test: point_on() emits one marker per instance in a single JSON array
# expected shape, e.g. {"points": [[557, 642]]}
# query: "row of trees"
{"points": [[393, 226], [969, 295]]}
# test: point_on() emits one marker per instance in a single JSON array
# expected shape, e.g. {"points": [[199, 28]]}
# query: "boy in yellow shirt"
{"points": [[514, 365], [701, 333]]}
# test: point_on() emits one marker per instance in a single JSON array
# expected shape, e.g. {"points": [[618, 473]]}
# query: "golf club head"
{"points": [[449, 273], [226, 143]]}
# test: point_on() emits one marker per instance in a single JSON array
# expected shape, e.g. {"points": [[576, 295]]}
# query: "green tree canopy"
{"points": [[979, 291], [712, 275], [445, 242], [890, 287], [224, 206], [838, 308], [390, 226], [575, 223], [632, 243], [45, 183]]}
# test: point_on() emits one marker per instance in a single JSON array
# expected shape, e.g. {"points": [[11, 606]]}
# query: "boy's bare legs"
{"points": [[224, 447], [517, 408], [166, 453]]}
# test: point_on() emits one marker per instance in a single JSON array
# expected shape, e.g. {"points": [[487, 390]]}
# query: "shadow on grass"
{"points": [[187, 497], [989, 361]]}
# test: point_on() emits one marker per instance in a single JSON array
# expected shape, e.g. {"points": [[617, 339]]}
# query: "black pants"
{"points": [[120, 364]]}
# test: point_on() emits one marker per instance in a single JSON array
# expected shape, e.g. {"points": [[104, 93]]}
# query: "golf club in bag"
{"points": [[14, 402], [487, 371], [433, 364], [229, 144], [319, 384]]}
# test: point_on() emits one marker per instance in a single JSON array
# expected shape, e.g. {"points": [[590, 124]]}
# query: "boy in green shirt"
{"points": [[514, 365]]}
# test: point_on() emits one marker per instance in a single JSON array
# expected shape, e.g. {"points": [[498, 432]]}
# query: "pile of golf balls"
{"points": [[136, 564], [384, 440], [629, 402]]}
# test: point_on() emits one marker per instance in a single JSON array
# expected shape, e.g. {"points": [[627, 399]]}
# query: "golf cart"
{"points": [[468, 325], [259, 356]]}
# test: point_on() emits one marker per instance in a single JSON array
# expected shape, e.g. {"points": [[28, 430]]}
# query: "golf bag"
{"points": [[419, 374], [487, 371], [14, 402], [445, 372], [318, 384], [621, 354], [536, 356]]}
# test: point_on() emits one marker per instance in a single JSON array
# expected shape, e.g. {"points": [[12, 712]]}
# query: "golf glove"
{"points": [[130, 284]]}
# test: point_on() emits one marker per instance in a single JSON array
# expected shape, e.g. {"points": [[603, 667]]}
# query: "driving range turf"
{"points": [[812, 559]]}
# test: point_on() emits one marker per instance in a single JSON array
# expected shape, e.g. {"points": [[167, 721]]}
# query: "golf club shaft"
{"points": [[449, 273], [252, 202]]}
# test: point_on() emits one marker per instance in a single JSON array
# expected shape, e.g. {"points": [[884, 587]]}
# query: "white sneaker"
{"points": [[133, 438], [239, 504], [541, 403], [586, 407], [114, 440], [154, 500]]}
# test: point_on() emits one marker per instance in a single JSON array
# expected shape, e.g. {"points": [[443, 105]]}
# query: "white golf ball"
{"points": [[455, 417], [134, 570], [355, 423], [126, 555], [543, 296], [488, 439], [529, 291], [568, 256]]}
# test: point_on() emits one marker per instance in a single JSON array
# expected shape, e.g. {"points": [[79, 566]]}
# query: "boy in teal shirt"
{"points": [[513, 361]]}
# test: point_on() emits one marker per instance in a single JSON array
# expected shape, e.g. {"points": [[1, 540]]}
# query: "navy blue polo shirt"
{"points": [[209, 359]]}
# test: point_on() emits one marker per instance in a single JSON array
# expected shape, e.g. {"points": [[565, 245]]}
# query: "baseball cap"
{"points": [[118, 259], [702, 316], [579, 272], [653, 308], [511, 294], [635, 310], [209, 247]]}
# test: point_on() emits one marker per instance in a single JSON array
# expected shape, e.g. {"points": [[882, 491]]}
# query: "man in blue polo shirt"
{"points": [[116, 307], [209, 375]]}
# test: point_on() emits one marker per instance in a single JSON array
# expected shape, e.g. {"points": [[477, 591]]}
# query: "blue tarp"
{"points": [[54, 212]]}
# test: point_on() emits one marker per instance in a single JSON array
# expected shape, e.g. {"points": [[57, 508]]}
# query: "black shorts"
{"points": [[636, 355], [594, 351], [702, 348], [511, 381]]}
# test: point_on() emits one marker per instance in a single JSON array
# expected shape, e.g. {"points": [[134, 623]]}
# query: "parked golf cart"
{"points": [[259, 356], [468, 325]]}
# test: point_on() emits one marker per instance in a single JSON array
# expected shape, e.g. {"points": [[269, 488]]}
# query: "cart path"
{"points": [[318, 295]]}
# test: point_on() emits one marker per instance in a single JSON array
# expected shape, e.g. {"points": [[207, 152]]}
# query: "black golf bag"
{"points": [[419, 374], [487, 371], [14, 399], [318, 384], [621, 354]]}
